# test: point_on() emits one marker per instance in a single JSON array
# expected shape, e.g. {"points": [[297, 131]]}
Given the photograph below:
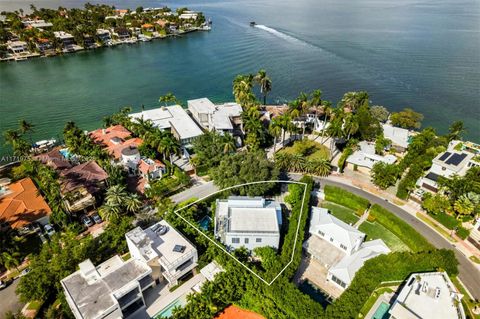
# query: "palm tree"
{"points": [[168, 98], [109, 212], [327, 111], [10, 259], [168, 147], [335, 131], [115, 195], [350, 125], [464, 206], [275, 129], [25, 126], [456, 130], [228, 144], [320, 167], [265, 84], [242, 89], [133, 203]]}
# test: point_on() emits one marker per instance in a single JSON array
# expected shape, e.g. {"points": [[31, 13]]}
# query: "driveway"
{"points": [[9, 300], [469, 274]]}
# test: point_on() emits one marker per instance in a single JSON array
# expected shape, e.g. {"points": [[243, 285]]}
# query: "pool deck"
{"points": [[160, 296], [386, 298]]}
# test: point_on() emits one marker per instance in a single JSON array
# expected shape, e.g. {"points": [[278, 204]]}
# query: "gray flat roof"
{"points": [[252, 219]]}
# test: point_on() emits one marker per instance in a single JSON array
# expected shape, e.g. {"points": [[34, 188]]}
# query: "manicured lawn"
{"points": [[377, 231], [345, 198], [310, 149], [341, 212], [434, 225]]}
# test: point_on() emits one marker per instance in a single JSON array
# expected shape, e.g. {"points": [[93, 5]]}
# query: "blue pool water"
{"points": [[382, 311], [167, 311], [205, 222], [65, 153]]}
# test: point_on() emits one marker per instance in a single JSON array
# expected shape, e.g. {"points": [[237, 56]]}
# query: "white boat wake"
{"points": [[285, 36]]}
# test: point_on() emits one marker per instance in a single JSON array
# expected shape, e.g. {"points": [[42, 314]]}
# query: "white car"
{"points": [[49, 230]]}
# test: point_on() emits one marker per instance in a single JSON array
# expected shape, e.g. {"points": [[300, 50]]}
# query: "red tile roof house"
{"points": [[54, 159], [21, 204], [80, 184], [115, 139]]}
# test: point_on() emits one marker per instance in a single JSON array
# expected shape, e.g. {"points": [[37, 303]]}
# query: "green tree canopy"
{"points": [[407, 118]]}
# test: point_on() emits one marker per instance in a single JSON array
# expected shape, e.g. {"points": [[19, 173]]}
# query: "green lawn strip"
{"points": [[475, 259], [415, 241], [373, 298], [467, 302], [347, 199], [377, 231], [35, 305], [435, 226], [343, 213]]}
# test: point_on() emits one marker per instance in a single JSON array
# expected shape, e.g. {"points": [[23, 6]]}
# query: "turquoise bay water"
{"points": [[422, 54]]}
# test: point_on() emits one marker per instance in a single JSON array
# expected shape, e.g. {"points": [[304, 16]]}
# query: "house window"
{"points": [[235, 240], [343, 247], [338, 281], [321, 233], [246, 240], [258, 240]]}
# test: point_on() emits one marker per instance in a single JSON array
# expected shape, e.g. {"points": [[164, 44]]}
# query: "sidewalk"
{"points": [[412, 208]]}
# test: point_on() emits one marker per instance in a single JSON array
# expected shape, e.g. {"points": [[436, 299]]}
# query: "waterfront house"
{"points": [[223, 118], [162, 23], [339, 247], [44, 46], [364, 158], [104, 36], [248, 221], [173, 119], [17, 47], [80, 184], [115, 140], [113, 289], [188, 15], [54, 159], [148, 27], [165, 250], [400, 137], [428, 295], [21, 204], [446, 164], [89, 42], [68, 42], [122, 34], [37, 23]]}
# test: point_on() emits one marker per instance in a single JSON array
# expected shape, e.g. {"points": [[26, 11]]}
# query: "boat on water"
{"points": [[253, 23]]}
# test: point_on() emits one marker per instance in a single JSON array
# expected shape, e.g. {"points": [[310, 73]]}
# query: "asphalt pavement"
{"points": [[9, 300]]}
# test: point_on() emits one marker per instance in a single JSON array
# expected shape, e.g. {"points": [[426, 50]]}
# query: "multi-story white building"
{"points": [[428, 296], [446, 165], [339, 246], [174, 119], [223, 118], [248, 221], [113, 289], [165, 250]]}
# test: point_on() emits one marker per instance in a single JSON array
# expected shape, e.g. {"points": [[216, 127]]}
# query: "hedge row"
{"points": [[451, 223], [345, 198], [401, 229]]}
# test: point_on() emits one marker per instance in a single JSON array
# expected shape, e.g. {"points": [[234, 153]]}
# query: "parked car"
{"points": [[24, 272], [97, 219], [87, 221], [49, 230], [4, 284]]}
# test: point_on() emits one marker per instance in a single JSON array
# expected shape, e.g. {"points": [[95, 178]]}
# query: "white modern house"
{"points": [[340, 247], [222, 118], [174, 119], [165, 250], [68, 41], [364, 158], [113, 289], [248, 221], [428, 296], [446, 165], [38, 23], [17, 47], [400, 137]]}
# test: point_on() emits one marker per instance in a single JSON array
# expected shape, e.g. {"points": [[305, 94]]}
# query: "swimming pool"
{"points": [[382, 311], [65, 153], [168, 310], [205, 222]]}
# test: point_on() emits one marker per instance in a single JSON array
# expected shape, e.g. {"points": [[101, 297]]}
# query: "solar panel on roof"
{"points": [[456, 159], [179, 248], [444, 156]]}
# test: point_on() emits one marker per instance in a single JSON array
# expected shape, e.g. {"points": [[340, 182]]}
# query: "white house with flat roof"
{"points": [[248, 221], [174, 119], [428, 296], [168, 253], [113, 289], [446, 164], [400, 137], [364, 158], [17, 47], [222, 118], [339, 247]]}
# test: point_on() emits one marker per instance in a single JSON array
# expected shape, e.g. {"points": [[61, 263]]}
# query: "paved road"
{"points": [[469, 274], [199, 191], [9, 300]]}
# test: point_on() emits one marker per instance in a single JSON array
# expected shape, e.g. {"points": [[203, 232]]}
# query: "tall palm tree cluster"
{"points": [[119, 202], [300, 164], [10, 256], [156, 141], [16, 138], [243, 88]]}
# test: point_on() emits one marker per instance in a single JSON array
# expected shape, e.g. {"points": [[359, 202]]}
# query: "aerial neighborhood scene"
{"points": [[312, 160]]}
